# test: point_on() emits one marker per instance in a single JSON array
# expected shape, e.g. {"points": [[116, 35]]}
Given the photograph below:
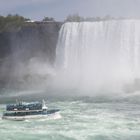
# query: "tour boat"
{"points": [[34, 110]]}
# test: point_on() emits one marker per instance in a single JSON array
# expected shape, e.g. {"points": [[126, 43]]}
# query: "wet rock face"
{"points": [[5, 48], [38, 40], [34, 42]]}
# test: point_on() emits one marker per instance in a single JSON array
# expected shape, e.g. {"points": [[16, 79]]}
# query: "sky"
{"points": [[60, 9]]}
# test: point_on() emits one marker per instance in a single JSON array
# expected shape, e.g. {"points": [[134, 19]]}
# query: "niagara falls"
{"points": [[70, 70], [100, 55]]}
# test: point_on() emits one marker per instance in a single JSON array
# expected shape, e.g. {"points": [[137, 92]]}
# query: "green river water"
{"points": [[82, 119]]}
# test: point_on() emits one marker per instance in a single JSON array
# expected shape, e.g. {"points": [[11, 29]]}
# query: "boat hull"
{"points": [[55, 115]]}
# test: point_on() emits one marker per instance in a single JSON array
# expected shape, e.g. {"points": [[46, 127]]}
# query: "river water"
{"points": [[82, 119]]}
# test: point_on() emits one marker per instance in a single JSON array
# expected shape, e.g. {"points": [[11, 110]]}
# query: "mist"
{"points": [[27, 64], [85, 58]]}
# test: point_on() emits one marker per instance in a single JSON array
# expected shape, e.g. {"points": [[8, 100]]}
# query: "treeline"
{"points": [[13, 22], [78, 18]]}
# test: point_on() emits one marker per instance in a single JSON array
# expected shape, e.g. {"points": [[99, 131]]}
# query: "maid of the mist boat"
{"points": [[34, 110]]}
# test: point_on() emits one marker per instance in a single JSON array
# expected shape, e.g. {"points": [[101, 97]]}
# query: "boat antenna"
{"points": [[44, 107]]}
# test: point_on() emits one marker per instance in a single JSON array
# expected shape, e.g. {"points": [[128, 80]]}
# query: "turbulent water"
{"points": [[96, 119], [99, 55]]}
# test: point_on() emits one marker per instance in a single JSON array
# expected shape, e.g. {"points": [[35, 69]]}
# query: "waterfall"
{"points": [[98, 55]]}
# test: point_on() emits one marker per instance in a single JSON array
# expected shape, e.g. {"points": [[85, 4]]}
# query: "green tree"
{"points": [[48, 19], [74, 18], [11, 22]]}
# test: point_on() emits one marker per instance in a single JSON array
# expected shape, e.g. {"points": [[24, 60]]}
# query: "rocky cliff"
{"points": [[27, 51]]}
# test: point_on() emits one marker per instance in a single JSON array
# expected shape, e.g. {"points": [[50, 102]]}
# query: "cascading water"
{"points": [[98, 55]]}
